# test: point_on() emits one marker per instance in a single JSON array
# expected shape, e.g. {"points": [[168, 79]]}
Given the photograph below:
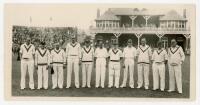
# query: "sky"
{"points": [[71, 15]]}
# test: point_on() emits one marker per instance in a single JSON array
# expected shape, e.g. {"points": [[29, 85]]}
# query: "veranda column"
{"points": [[146, 19], [132, 18], [117, 36], [187, 36], [138, 35]]}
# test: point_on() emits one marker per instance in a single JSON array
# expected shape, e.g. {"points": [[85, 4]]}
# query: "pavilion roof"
{"points": [[172, 15], [108, 15], [132, 11]]}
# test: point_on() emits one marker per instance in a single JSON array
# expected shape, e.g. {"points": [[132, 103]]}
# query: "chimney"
{"points": [[98, 13], [184, 13]]}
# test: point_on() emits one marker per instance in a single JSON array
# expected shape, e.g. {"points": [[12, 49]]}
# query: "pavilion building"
{"points": [[125, 23]]}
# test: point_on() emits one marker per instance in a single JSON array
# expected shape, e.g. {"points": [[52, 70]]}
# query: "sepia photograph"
{"points": [[100, 50]]}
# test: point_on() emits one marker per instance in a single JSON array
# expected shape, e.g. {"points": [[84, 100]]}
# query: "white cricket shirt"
{"points": [[58, 56], [144, 53], [87, 54], [101, 53], [115, 55], [27, 51], [176, 55], [159, 55], [73, 50], [129, 52], [42, 57]]}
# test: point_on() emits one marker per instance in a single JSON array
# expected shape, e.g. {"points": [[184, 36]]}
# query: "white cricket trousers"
{"points": [[73, 63], [86, 73], [114, 72], [129, 66], [158, 74], [143, 72], [100, 71], [42, 76], [27, 64], [175, 75], [57, 77]]}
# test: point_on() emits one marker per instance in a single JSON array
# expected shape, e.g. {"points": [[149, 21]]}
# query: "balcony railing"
{"points": [[143, 30]]}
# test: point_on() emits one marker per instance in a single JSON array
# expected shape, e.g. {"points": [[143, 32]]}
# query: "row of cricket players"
{"points": [[74, 56]]}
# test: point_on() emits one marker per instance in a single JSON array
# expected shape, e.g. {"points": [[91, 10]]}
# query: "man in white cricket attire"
{"points": [[176, 58], [42, 63], [27, 53], [159, 59], [129, 55], [101, 55], [57, 62], [144, 55], [73, 54], [87, 63], [115, 56]]}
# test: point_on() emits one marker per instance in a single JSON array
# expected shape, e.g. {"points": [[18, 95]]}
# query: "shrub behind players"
{"points": [[176, 58], [42, 63], [87, 62], [159, 59], [115, 56], [144, 54], [57, 62], [27, 53]]}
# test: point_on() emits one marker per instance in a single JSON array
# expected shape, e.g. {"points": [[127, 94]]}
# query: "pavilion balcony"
{"points": [[143, 30]]}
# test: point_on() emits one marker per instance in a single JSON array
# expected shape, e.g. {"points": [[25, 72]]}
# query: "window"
{"points": [[169, 25]]}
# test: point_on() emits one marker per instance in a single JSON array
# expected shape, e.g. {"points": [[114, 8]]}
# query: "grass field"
{"points": [[93, 92]]}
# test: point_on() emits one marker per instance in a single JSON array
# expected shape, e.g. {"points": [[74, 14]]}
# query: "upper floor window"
{"points": [[113, 24], [183, 26], [99, 25], [103, 25], [169, 25]]}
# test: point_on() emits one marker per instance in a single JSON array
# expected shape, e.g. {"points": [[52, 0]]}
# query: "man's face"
{"points": [[100, 44], [57, 46], [28, 41], [42, 46], [87, 44], [173, 43], [73, 40], [159, 45], [129, 44], [115, 46], [143, 42]]}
